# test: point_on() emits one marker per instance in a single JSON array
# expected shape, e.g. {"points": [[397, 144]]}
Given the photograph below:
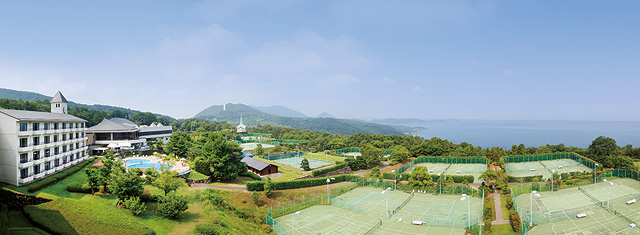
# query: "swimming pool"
{"points": [[136, 160], [145, 165]]}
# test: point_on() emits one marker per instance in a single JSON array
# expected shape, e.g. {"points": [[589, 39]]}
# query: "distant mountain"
{"points": [[253, 117], [279, 110], [27, 95], [325, 115], [400, 121]]}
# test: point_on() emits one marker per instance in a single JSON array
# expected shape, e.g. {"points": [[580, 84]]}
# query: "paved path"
{"points": [[218, 187], [499, 217]]}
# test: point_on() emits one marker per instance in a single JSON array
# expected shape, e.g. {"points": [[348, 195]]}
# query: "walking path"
{"points": [[498, 209]]}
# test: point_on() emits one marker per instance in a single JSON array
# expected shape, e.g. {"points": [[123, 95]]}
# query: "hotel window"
{"points": [[46, 126], [64, 125], [55, 138], [55, 126], [56, 151], [82, 125], [47, 166], [24, 173], [77, 125], [64, 137], [64, 149], [23, 142], [36, 155], [77, 145], [77, 135], [36, 141], [56, 162], [47, 139], [36, 169], [70, 125], [47, 153], [70, 136], [36, 126], [23, 127], [24, 158]]}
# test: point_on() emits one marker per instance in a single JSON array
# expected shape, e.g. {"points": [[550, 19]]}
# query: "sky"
{"points": [[455, 59]]}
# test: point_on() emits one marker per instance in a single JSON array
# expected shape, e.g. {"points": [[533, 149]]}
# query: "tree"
{"points": [[125, 184], [168, 181], [220, 158], [371, 155], [449, 181], [420, 178], [268, 187], [399, 154], [93, 176], [143, 118], [105, 171], [172, 206], [601, 148], [255, 196], [150, 174], [134, 205], [259, 150], [305, 164], [119, 113], [375, 172], [495, 154], [178, 144]]}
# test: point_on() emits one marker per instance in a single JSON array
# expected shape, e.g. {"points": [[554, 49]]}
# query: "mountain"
{"points": [[279, 110], [253, 117], [27, 95], [400, 121], [325, 115]]}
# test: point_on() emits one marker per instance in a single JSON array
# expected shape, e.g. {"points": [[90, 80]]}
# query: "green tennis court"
{"points": [[544, 168], [440, 211], [453, 169], [296, 161]]}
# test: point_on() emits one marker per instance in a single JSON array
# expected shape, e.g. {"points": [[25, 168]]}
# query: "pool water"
{"points": [[136, 160], [150, 165]]}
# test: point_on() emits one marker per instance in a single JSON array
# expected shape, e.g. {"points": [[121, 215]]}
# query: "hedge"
{"points": [[400, 177], [59, 176], [211, 229], [327, 170], [512, 179], [303, 183], [78, 187], [251, 174], [72, 216]]}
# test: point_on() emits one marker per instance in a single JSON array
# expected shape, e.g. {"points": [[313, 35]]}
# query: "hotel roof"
{"points": [[22, 115]]}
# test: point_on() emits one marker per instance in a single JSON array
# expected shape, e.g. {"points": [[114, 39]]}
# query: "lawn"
{"points": [[503, 201], [321, 157], [194, 175], [501, 229], [288, 172]]}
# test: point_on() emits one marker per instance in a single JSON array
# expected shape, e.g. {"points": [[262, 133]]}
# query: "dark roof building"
{"points": [[260, 167]]}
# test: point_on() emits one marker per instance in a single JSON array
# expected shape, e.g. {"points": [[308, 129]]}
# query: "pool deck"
{"points": [[179, 166]]}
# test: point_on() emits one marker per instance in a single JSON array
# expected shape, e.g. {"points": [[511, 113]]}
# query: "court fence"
{"points": [[283, 156], [536, 158], [447, 160], [357, 150]]}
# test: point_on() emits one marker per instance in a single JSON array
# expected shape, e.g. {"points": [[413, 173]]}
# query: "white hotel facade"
{"points": [[34, 145]]}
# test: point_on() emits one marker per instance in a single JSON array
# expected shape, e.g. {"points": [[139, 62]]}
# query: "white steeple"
{"points": [[241, 127], [59, 103]]}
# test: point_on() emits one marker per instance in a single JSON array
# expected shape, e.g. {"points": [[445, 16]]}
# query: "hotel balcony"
{"points": [[26, 148], [39, 161], [38, 146], [49, 145], [59, 168], [38, 132], [50, 171], [25, 164], [39, 175], [25, 180], [25, 133], [50, 131]]}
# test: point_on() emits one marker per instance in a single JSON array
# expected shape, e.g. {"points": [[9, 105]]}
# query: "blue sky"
{"points": [[526, 60]]}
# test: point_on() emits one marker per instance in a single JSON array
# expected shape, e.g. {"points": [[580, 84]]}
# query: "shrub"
{"points": [[134, 205], [516, 224], [59, 176], [303, 183], [212, 229], [172, 206], [150, 175], [255, 196], [487, 226], [147, 197], [78, 187], [327, 170], [136, 171], [251, 175], [59, 215]]}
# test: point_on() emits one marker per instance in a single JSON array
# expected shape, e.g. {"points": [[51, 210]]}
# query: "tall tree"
{"points": [[305, 164], [125, 184], [168, 181], [221, 158], [143, 118], [601, 148], [420, 178], [93, 176], [178, 144], [371, 155], [399, 153]]}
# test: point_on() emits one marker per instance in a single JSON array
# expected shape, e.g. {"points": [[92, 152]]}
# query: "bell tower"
{"points": [[59, 103]]}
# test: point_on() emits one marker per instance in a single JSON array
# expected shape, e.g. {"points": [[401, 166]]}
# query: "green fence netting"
{"points": [[283, 156], [573, 156], [357, 150]]}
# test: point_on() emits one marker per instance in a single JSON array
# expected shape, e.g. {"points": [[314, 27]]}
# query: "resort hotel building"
{"points": [[34, 145], [120, 133]]}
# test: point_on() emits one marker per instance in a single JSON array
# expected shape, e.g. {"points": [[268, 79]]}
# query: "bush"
{"points": [[303, 183], [327, 170], [58, 215], [59, 176], [212, 229], [136, 171], [134, 205], [147, 197], [250, 174], [255, 196], [487, 226], [78, 187], [172, 206], [516, 224]]}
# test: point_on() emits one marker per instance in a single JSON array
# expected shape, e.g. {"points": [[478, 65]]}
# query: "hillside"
{"points": [[279, 110], [27, 95], [253, 117]]}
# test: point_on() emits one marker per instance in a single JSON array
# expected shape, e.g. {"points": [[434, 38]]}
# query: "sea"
{"points": [[501, 133]]}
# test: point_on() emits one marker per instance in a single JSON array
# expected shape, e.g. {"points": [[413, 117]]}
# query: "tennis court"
{"points": [[544, 168], [441, 211], [453, 169], [296, 161], [252, 146], [556, 212]]}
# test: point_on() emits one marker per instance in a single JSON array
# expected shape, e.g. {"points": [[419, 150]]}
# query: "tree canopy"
{"points": [[220, 158]]}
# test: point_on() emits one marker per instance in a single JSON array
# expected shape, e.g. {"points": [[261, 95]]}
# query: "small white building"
{"points": [[241, 128], [34, 145], [120, 133]]}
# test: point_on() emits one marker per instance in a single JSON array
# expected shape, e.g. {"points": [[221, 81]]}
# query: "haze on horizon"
{"points": [[526, 60]]}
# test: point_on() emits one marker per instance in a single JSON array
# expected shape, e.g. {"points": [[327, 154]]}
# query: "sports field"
{"points": [[556, 212], [364, 209], [545, 168], [454, 169], [296, 161], [252, 146]]}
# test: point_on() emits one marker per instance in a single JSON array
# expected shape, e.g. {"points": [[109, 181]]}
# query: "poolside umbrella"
{"points": [[98, 164]]}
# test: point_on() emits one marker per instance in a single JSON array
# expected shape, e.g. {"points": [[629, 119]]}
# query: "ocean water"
{"points": [[501, 133]]}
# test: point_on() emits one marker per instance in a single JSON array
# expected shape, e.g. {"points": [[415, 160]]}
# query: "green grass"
{"points": [[501, 229], [194, 175], [19, 224], [68, 216], [240, 180], [321, 157], [505, 211], [288, 172]]}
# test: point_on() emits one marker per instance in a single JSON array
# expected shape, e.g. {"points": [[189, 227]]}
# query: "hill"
{"points": [[279, 110], [253, 117], [325, 115], [27, 95]]}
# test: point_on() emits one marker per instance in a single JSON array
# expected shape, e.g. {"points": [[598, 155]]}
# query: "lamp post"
{"points": [[293, 230], [386, 200], [465, 197], [553, 172], [440, 183], [595, 175], [395, 180], [329, 180], [608, 183], [533, 193]]}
